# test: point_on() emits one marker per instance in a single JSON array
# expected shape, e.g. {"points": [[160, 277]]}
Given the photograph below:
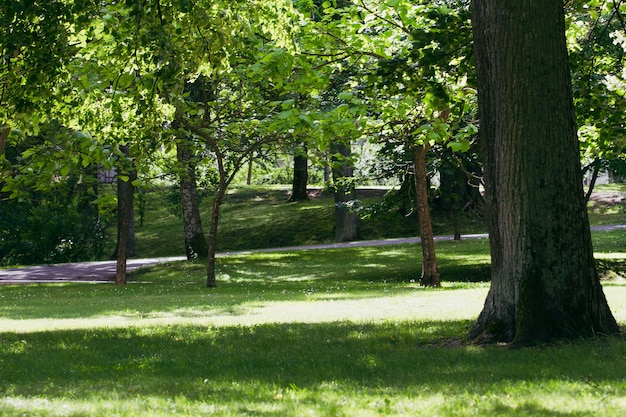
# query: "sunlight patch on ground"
{"points": [[449, 304], [610, 255], [461, 304]]}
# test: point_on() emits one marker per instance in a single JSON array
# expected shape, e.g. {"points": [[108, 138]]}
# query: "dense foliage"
{"points": [[251, 81]]}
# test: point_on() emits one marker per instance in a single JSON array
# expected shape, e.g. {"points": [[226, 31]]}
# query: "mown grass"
{"points": [[338, 332]]}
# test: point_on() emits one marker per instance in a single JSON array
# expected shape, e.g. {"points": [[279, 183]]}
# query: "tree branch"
{"points": [[400, 26]]}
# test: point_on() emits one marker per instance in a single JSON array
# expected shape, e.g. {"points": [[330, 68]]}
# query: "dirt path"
{"points": [[104, 271]]}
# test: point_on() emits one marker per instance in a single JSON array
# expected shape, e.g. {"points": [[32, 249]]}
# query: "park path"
{"points": [[104, 271]]}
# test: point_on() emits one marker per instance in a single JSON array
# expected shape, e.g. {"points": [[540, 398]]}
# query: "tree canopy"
{"points": [[113, 83]]}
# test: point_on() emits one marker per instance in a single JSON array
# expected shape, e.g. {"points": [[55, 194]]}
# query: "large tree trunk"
{"points": [[300, 175], [346, 219], [195, 241], [430, 275], [544, 280], [125, 208]]}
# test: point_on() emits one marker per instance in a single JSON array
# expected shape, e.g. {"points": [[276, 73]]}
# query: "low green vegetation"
{"points": [[260, 217], [337, 332]]}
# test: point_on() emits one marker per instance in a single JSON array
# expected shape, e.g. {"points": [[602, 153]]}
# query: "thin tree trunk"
{"points": [[430, 275], [212, 241], [544, 282], [195, 241], [594, 177], [249, 175], [346, 219], [125, 193]]}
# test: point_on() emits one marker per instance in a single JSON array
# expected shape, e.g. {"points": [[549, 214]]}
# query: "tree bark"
{"points": [[300, 176], [346, 219], [218, 198], [125, 193], [195, 241], [249, 174], [544, 282], [4, 136], [430, 274]]}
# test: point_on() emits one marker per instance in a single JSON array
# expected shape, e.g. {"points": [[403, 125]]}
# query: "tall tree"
{"points": [[544, 280], [408, 62]]}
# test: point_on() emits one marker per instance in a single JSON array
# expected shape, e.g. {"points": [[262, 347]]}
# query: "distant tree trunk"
{"points": [[4, 136], [125, 193], [430, 275], [544, 283], [451, 196], [300, 175], [249, 175], [346, 219], [195, 241]]}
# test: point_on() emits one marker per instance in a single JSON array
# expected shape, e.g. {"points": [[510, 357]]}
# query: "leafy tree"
{"points": [[234, 120], [412, 59], [231, 138], [597, 49], [136, 58], [52, 204], [544, 283], [34, 49]]}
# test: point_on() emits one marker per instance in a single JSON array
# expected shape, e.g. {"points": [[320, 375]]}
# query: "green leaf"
{"points": [[287, 104], [287, 114], [462, 145], [345, 95], [65, 170], [125, 81]]}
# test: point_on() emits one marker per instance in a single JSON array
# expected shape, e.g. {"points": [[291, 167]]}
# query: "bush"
{"points": [[60, 225]]}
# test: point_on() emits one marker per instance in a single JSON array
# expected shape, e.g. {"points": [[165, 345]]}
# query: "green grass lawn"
{"points": [[341, 332]]}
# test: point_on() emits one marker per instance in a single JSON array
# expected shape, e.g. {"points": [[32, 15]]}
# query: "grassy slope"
{"points": [[261, 217]]}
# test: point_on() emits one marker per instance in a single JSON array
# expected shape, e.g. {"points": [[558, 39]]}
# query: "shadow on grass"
{"points": [[611, 269], [198, 361]]}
